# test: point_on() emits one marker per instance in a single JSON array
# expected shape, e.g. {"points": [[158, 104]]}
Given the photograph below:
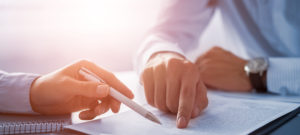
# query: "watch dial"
{"points": [[256, 65]]}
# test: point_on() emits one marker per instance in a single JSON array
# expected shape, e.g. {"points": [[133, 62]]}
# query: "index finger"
{"points": [[107, 76], [186, 104]]}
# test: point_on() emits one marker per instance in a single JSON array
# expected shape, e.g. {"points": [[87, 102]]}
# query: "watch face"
{"points": [[256, 65]]}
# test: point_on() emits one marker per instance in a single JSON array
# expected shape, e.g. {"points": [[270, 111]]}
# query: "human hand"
{"points": [[220, 69], [172, 84], [65, 91]]}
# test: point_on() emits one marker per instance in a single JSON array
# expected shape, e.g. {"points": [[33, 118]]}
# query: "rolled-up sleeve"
{"points": [[15, 91], [283, 76]]}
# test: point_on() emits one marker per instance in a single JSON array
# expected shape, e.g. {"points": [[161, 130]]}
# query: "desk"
{"points": [[289, 128]]}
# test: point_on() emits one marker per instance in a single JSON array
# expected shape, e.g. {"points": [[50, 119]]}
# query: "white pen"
{"points": [[118, 96]]}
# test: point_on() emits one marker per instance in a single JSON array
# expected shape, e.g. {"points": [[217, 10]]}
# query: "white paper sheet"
{"points": [[223, 116], [132, 81], [265, 96]]}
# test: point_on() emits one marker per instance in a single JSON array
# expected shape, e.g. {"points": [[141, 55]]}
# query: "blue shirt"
{"points": [[267, 28]]}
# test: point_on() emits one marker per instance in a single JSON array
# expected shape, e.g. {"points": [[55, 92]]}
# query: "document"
{"points": [[224, 115], [254, 96]]}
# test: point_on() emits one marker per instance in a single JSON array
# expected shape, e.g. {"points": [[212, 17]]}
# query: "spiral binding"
{"points": [[32, 127]]}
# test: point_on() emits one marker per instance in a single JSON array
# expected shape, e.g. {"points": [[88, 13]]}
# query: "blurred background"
{"points": [[40, 36]]}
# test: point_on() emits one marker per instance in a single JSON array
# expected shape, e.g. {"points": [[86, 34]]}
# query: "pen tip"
{"points": [[153, 118]]}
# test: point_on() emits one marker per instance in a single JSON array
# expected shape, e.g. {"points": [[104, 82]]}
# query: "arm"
{"points": [[65, 90], [220, 69], [60, 92], [283, 76], [171, 82], [14, 92], [177, 29]]}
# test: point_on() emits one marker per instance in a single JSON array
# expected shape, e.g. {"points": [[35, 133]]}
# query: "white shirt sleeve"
{"points": [[15, 92], [283, 76], [177, 30]]}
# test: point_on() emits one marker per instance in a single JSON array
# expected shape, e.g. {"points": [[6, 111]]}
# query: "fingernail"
{"points": [[102, 90], [181, 122]]}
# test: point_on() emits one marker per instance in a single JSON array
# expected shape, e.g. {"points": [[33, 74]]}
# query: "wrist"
{"points": [[247, 83]]}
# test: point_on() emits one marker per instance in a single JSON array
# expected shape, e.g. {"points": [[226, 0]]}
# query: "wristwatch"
{"points": [[255, 70]]}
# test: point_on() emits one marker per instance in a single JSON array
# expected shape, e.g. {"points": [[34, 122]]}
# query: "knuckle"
{"points": [[216, 48], [190, 67], [173, 72], [176, 65], [212, 51], [159, 72], [83, 61], [188, 92], [146, 73], [207, 54], [206, 62], [159, 68], [173, 62], [146, 70]]}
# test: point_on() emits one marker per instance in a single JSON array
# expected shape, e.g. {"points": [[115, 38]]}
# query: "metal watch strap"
{"points": [[257, 83]]}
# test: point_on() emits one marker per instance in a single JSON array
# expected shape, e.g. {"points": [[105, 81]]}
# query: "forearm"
{"points": [[283, 76], [15, 91], [177, 30]]}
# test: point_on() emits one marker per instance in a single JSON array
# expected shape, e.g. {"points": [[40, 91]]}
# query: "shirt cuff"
{"points": [[283, 76], [15, 93]]}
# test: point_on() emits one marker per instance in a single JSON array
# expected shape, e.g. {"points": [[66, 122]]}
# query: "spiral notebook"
{"points": [[28, 124]]}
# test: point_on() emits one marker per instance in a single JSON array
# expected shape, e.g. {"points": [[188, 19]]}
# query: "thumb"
{"points": [[89, 89]]}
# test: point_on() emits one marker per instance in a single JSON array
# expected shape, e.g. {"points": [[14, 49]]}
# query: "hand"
{"points": [[65, 91], [172, 84], [220, 69]]}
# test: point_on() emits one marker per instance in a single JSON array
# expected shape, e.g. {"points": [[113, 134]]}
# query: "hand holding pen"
{"points": [[120, 97], [65, 91]]}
